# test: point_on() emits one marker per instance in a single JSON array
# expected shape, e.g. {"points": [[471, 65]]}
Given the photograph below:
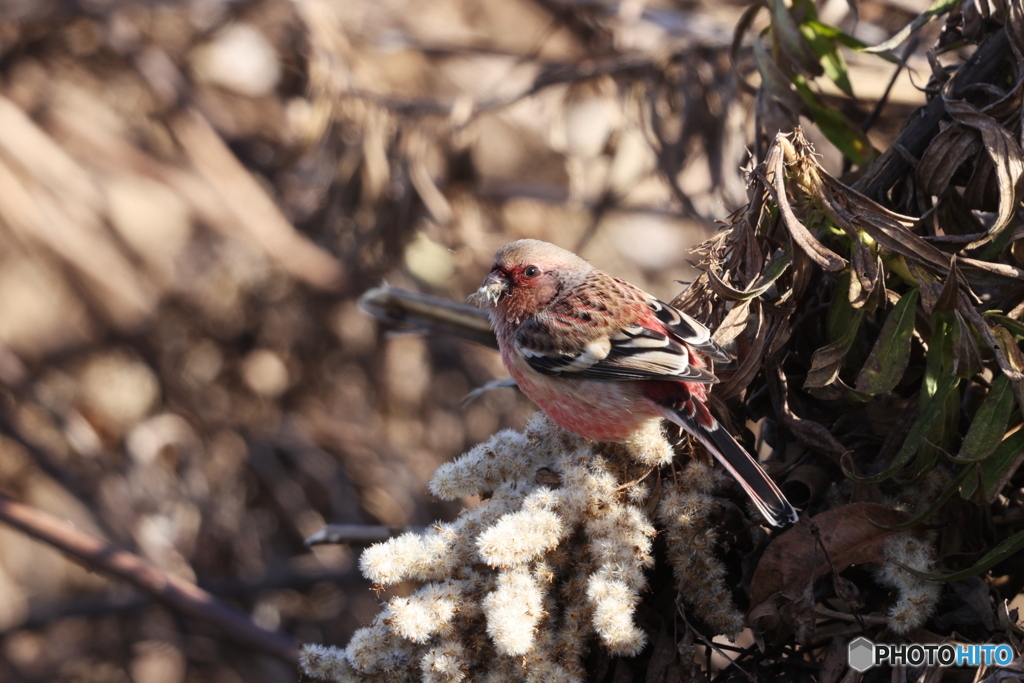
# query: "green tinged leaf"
{"points": [[941, 361], [841, 325], [1009, 547], [932, 413], [941, 436], [836, 34], [891, 353], [989, 423], [828, 54], [939, 400], [942, 345], [840, 310], [997, 468]]}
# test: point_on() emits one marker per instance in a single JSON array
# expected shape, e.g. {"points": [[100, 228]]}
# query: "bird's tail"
{"points": [[767, 497]]}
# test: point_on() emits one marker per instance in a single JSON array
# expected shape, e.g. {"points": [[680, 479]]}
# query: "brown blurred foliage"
{"points": [[192, 198]]}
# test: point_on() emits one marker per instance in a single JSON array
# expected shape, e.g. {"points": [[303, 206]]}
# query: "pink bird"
{"points": [[602, 357]]}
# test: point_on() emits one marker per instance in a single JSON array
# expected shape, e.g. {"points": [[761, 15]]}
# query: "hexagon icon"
{"points": [[861, 654]]}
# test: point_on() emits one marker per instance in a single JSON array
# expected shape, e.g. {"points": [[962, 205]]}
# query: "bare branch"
{"points": [[173, 591]]}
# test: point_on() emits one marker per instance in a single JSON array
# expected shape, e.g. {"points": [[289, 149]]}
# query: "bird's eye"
{"points": [[531, 271]]}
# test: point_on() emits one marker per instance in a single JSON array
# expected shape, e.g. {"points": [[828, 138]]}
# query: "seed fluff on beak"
{"points": [[490, 292]]}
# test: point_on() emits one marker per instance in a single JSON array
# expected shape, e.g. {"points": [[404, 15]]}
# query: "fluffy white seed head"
{"points": [[614, 603], [513, 611], [423, 614], [325, 663], [649, 446], [541, 431], [690, 545], [368, 646], [917, 597], [420, 557], [445, 663], [701, 477], [484, 467], [520, 537]]}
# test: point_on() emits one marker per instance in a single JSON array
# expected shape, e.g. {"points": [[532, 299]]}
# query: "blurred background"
{"points": [[194, 195]]}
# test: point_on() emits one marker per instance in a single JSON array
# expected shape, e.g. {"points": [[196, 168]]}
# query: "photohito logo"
{"points": [[863, 654]]}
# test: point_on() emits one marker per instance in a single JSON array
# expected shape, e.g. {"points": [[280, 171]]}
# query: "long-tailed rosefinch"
{"points": [[602, 357]]}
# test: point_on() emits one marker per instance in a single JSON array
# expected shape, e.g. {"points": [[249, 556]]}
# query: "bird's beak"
{"points": [[494, 287]]}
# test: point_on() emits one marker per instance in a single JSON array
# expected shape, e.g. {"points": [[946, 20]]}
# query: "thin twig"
{"points": [[175, 592], [357, 533], [711, 645], [873, 619], [821, 544], [884, 99]]}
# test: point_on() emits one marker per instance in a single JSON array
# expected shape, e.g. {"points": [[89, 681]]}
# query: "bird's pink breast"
{"points": [[594, 409]]}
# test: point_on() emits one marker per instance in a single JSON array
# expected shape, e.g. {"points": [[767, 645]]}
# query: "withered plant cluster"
{"points": [[876, 324], [193, 196], [878, 327]]}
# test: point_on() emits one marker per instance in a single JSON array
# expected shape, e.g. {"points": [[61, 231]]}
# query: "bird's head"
{"points": [[526, 276]]}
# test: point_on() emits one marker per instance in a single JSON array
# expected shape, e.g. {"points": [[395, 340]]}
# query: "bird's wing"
{"points": [[583, 339], [687, 329], [633, 353]]}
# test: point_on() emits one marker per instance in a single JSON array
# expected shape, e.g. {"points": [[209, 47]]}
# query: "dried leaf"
{"points": [[852, 210], [888, 360], [970, 313], [809, 432], [791, 40], [867, 286], [775, 183], [1002, 149], [947, 298], [751, 362], [850, 535], [734, 323], [1008, 344], [1002, 271], [774, 81], [828, 360], [946, 153], [777, 265]]}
